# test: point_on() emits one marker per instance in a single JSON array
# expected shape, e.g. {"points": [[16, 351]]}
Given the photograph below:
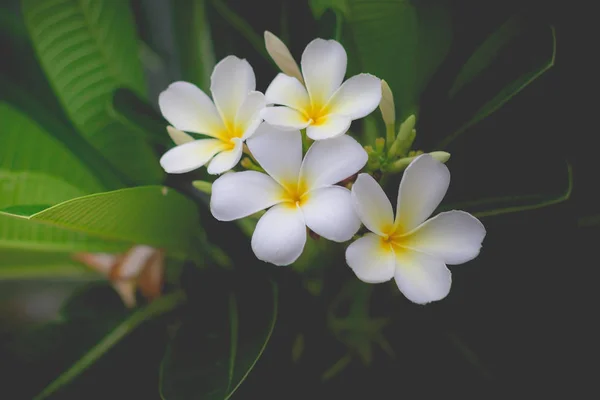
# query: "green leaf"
{"points": [[193, 38], [507, 93], [28, 149], [215, 349], [485, 54], [157, 308], [400, 41], [151, 215], [88, 49], [16, 264]]}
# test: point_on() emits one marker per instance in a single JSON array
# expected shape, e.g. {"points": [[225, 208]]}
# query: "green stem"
{"points": [[243, 27], [157, 308], [339, 19]]}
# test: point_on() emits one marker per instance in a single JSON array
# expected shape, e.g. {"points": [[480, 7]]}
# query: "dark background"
{"points": [[518, 320]]}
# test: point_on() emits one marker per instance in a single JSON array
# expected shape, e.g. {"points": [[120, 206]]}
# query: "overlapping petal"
{"points": [[190, 156], [328, 212], [422, 278], [279, 153], [331, 126], [330, 161], [421, 190], [372, 205], [323, 67], [280, 235], [248, 116], [287, 91], [453, 236], [231, 81], [284, 118], [188, 108], [358, 97], [236, 195], [227, 159], [370, 261]]}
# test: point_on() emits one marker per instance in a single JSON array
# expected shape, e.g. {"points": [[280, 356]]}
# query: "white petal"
{"points": [[284, 118], [329, 213], [282, 56], [179, 137], [280, 235], [323, 67], [188, 108], [333, 125], [453, 236], [287, 91], [421, 190], [248, 116], [279, 153], [231, 81], [238, 194], [370, 260], [358, 97], [422, 278], [227, 159], [189, 156], [372, 205], [330, 161]]}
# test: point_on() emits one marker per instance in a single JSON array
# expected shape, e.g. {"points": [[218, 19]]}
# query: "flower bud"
{"points": [[282, 56], [387, 107], [203, 186], [179, 137], [441, 156]]}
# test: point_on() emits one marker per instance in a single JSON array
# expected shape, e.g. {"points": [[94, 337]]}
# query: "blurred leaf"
{"points": [[400, 41], [153, 215], [506, 93], [25, 210], [485, 54], [88, 49], [158, 307], [33, 155], [192, 34], [213, 352], [18, 264]]}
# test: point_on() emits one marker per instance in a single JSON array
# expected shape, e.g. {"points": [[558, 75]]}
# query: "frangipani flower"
{"points": [[410, 248], [325, 107], [141, 266], [231, 119], [300, 192]]}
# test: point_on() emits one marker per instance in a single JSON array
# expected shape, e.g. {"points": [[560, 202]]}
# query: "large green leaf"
{"points": [[397, 40], [151, 215], [18, 264], [26, 147], [88, 49], [216, 347]]}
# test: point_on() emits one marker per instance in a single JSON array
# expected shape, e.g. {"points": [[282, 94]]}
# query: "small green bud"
{"points": [[203, 186], [441, 156], [249, 164], [386, 105], [379, 145], [405, 138]]}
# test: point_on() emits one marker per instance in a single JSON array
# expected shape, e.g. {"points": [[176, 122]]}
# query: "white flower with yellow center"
{"points": [[301, 193], [325, 106], [231, 119], [410, 248]]}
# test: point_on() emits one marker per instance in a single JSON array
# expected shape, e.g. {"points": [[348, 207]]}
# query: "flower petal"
{"points": [[284, 118], [323, 67], [333, 125], [282, 56], [280, 235], [358, 97], [236, 195], [330, 161], [189, 156], [133, 262], [287, 91], [329, 213], [422, 278], [279, 152], [370, 261], [453, 236], [226, 159], [179, 137], [248, 116], [188, 108], [231, 81], [421, 190], [372, 205]]}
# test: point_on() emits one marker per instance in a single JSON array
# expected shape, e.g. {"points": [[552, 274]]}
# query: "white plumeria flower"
{"points": [[300, 192], [325, 107], [410, 248], [231, 119]]}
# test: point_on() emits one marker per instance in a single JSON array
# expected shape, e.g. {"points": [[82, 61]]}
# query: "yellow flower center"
{"points": [[231, 131], [316, 114], [393, 238], [295, 195]]}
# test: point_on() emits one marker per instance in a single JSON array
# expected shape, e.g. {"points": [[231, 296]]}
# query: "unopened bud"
{"points": [[203, 186], [179, 137], [405, 138], [387, 107], [441, 156], [282, 56], [379, 145]]}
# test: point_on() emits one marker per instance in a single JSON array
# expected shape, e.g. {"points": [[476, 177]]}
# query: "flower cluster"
{"points": [[310, 107]]}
